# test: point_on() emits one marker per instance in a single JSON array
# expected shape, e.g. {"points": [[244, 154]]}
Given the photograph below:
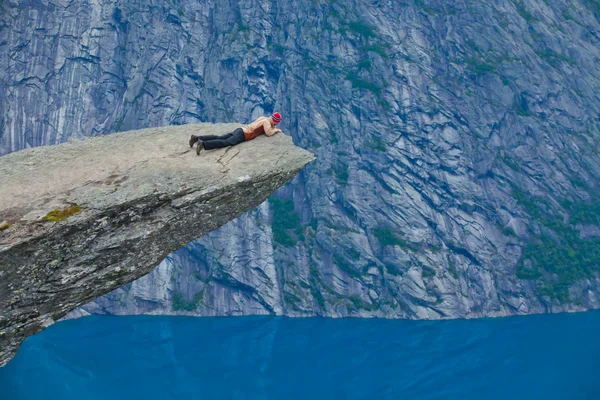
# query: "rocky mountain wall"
{"points": [[457, 144]]}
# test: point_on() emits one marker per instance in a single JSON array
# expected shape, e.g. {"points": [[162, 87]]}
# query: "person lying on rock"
{"points": [[261, 125]]}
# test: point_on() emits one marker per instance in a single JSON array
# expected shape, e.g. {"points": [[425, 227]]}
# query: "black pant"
{"points": [[216, 142]]}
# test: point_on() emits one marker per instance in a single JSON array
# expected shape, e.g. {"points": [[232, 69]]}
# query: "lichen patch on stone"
{"points": [[62, 214]]}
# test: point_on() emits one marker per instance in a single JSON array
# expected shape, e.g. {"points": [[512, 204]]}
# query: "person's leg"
{"points": [[208, 137], [214, 144], [204, 138], [235, 137], [213, 137]]}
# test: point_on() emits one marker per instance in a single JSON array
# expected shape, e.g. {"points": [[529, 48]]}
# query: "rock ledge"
{"points": [[80, 219]]}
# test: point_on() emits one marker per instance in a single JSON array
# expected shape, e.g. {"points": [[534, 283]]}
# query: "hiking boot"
{"points": [[193, 140], [199, 147]]}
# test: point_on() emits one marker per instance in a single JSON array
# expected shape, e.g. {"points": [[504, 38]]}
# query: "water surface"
{"points": [[157, 357]]}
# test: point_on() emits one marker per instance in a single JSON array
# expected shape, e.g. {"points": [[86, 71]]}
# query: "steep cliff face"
{"points": [[457, 145], [85, 217]]}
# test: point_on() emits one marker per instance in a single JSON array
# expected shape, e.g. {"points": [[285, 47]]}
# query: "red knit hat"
{"points": [[276, 117]]}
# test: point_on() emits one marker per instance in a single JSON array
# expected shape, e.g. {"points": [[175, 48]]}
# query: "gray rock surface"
{"points": [[450, 139], [129, 200]]}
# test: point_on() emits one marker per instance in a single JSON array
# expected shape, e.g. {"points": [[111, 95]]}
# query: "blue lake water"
{"points": [[156, 357]]}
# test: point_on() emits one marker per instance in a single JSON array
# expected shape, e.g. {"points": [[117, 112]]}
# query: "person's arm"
{"points": [[269, 130]]}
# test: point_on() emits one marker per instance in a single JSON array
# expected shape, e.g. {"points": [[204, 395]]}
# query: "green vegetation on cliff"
{"points": [[286, 224], [179, 303], [559, 256]]}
